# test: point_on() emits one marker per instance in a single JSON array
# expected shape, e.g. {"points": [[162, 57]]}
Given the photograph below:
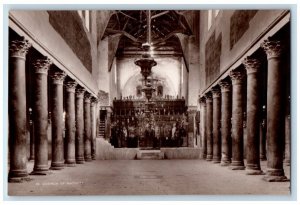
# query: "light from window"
{"points": [[216, 13], [80, 13], [209, 19], [85, 17]]}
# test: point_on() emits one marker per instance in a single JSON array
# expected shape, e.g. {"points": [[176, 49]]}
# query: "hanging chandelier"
{"points": [[146, 62]]}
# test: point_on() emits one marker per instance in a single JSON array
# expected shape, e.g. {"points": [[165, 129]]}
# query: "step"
{"points": [[150, 154]]}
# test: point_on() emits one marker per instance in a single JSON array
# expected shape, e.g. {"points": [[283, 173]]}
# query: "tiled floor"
{"points": [[148, 177]]}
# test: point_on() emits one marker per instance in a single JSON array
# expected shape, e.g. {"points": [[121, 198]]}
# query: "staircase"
{"points": [[150, 154], [102, 129]]}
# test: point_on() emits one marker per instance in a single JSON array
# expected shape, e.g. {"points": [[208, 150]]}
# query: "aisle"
{"points": [[148, 177]]}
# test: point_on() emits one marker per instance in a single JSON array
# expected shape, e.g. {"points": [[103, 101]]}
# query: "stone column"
{"points": [[40, 111], [57, 161], [93, 127], [31, 157], [202, 122], [79, 137], [87, 127], [17, 110], [275, 114], [237, 121], [287, 153], [216, 124], [253, 157], [70, 123], [209, 134], [226, 122], [262, 133]]}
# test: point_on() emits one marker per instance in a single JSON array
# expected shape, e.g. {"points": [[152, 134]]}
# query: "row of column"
{"points": [[79, 119], [222, 108]]}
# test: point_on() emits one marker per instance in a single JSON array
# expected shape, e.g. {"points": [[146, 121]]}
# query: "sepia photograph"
{"points": [[149, 102]]}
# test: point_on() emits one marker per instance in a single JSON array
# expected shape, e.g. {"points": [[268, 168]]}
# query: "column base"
{"points": [[203, 156], [237, 165], [70, 163], [275, 178], [225, 160], [40, 170], [209, 158], [17, 174], [225, 163], [275, 175], [254, 169], [80, 161], [216, 160], [88, 158], [57, 165]]}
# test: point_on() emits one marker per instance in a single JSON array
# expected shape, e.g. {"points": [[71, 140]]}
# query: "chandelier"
{"points": [[146, 62]]}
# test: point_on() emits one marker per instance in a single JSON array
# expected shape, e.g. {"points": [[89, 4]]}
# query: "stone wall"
{"points": [[233, 31]]}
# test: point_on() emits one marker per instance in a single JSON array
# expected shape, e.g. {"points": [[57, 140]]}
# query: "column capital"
{"points": [[208, 97], [19, 48], [94, 100], [273, 48], [71, 86], [202, 100], [216, 92], [225, 86], [80, 92], [236, 76], [87, 97], [58, 77], [251, 65], [42, 65]]}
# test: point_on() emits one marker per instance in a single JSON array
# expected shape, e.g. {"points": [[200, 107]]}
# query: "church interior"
{"points": [[161, 95]]}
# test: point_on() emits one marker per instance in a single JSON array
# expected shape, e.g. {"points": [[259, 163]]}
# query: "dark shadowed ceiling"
{"points": [[133, 27]]}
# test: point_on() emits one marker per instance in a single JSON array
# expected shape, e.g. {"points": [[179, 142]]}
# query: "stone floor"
{"points": [[148, 177]]}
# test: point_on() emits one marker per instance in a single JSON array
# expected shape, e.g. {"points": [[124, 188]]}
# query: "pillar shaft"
{"points": [[202, 122], [79, 142], [253, 156], [57, 120], [31, 157], [93, 127], [262, 142], [226, 122], [209, 134], [275, 114], [87, 127], [40, 111], [17, 110], [216, 125], [287, 153], [237, 121], [70, 123]]}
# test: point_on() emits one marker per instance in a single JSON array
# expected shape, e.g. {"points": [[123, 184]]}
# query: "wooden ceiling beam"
{"points": [[124, 33], [128, 16], [159, 14], [167, 37]]}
